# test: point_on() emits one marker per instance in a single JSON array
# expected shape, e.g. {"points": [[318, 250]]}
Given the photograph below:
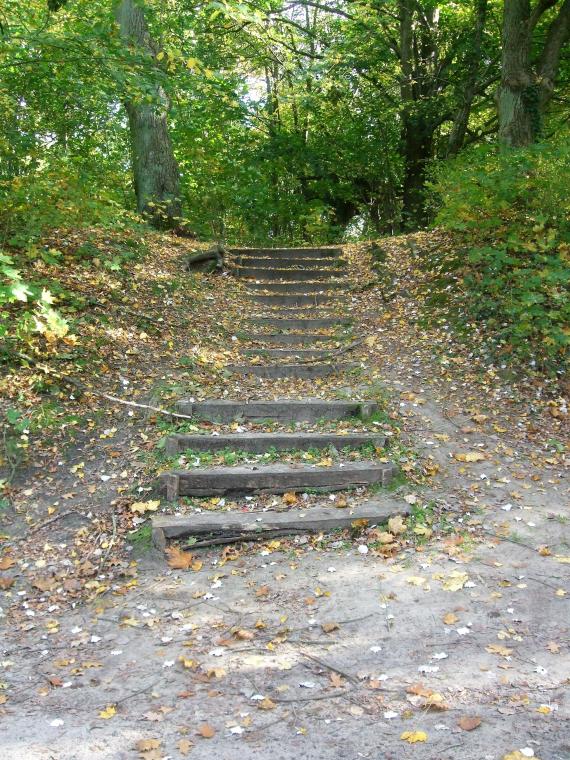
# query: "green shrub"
{"points": [[508, 273]]}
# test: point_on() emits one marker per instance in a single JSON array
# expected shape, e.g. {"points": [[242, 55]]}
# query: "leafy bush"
{"points": [[508, 272]]}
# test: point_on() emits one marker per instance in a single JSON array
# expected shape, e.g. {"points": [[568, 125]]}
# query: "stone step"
{"points": [[260, 443], [301, 323], [295, 371], [289, 275], [287, 353], [289, 263], [289, 339], [263, 525], [281, 410], [303, 288], [279, 253], [277, 478], [293, 300]]}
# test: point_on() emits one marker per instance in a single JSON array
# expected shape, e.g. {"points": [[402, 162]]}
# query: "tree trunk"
{"points": [[461, 120], [156, 174], [516, 100]]}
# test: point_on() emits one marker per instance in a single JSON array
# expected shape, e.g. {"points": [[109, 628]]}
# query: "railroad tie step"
{"points": [[290, 263], [301, 323], [288, 353], [288, 288], [261, 525], [277, 478], [280, 253], [261, 443], [280, 410], [294, 371], [288, 339], [290, 275], [293, 300]]}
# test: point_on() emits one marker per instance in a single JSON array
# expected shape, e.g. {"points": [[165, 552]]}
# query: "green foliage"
{"points": [[509, 271]]}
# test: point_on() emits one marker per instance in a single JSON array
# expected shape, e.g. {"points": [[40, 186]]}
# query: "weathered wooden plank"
{"points": [[301, 323], [295, 371], [259, 443], [284, 410], [312, 519], [292, 275], [293, 300], [278, 478]]}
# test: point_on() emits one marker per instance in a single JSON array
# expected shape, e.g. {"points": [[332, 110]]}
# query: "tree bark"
{"points": [[461, 120], [517, 121], [524, 92], [155, 171]]}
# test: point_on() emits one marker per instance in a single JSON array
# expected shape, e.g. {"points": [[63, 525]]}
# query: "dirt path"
{"points": [[456, 645]]}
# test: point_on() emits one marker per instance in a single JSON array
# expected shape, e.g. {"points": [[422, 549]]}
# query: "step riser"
{"points": [[302, 288], [288, 264], [279, 253], [300, 324], [268, 480], [289, 340], [289, 275], [260, 443], [294, 371], [287, 353], [316, 300], [281, 411]]}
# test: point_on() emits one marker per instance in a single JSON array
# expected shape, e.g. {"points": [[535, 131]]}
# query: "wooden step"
{"points": [[253, 525], [294, 371], [277, 478], [289, 339], [293, 300], [260, 443], [288, 288], [302, 323], [289, 263], [281, 410], [290, 275], [288, 353], [280, 253]]}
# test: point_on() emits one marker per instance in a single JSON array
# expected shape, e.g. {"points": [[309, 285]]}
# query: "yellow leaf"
{"points": [[450, 619], [160, 55], [416, 580], [422, 530], [563, 560], [544, 709], [370, 340], [385, 538], [108, 712], [267, 704], [471, 456], [396, 525], [147, 745], [499, 649], [184, 746], [206, 731], [414, 736], [455, 581], [145, 506], [290, 498], [517, 755]]}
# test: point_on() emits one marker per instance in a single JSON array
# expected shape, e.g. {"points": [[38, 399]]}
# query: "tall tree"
{"points": [[529, 70], [155, 170]]}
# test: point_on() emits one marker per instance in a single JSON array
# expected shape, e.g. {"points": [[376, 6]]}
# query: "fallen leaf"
{"points": [[470, 456], [396, 525], [244, 635], [108, 712], [336, 680], [147, 745], [385, 538], [455, 581], [262, 591], [450, 618], [6, 583], [414, 736], [141, 507], [330, 627], [469, 722], [499, 649], [553, 647], [290, 498], [184, 746], [179, 559], [6, 563], [206, 731], [267, 704]]}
